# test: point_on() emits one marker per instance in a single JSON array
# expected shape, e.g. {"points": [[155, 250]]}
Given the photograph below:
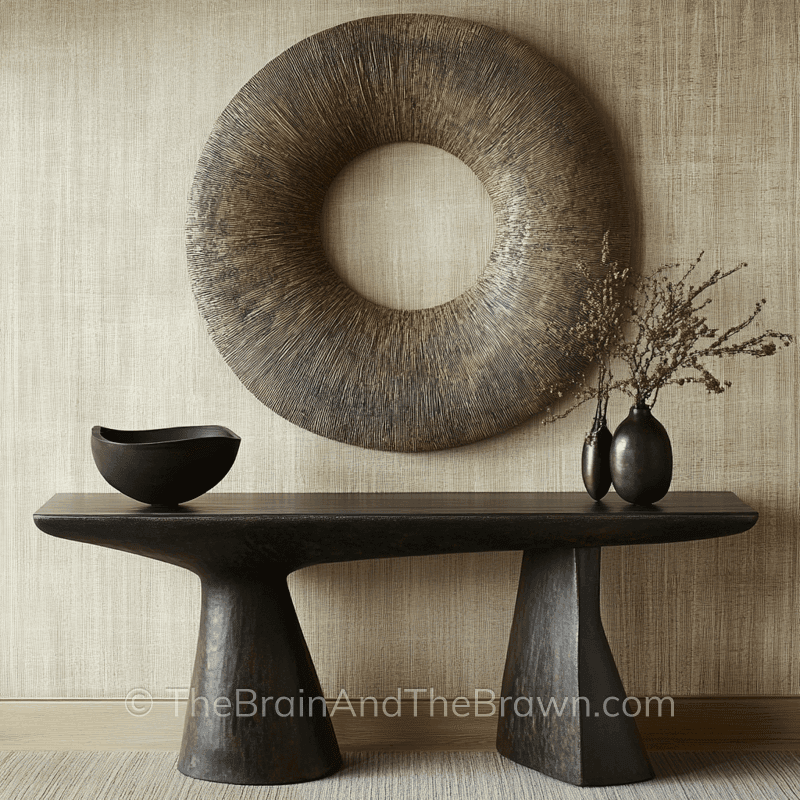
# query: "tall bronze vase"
{"points": [[641, 458], [595, 457]]}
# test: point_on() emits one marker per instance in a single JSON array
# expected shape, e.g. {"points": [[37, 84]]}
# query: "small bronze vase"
{"points": [[595, 457], [641, 458]]}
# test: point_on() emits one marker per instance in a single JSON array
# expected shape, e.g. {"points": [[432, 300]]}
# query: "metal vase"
{"points": [[641, 458], [595, 457]]}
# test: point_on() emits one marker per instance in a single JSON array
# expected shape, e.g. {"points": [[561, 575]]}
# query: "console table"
{"points": [[243, 546]]}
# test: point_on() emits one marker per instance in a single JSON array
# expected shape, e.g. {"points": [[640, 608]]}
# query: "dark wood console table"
{"points": [[243, 547]]}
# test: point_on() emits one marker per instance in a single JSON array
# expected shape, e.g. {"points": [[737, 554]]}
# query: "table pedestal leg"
{"points": [[252, 716], [559, 674]]}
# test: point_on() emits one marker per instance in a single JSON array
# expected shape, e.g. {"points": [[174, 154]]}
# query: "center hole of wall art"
{"points": [[408, 226]]}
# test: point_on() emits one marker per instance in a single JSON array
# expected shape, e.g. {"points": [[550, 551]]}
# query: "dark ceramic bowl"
{"points": [[165, 466]]}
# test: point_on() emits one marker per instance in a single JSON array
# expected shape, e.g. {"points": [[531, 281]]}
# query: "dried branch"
{"points": [[652, 329]]}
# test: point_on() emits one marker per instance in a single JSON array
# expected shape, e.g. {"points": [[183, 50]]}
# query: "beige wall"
{"points": [[106, 107]]}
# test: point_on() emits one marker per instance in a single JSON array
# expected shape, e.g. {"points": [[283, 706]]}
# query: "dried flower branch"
{"points": [[598, 333], [654, 329]]}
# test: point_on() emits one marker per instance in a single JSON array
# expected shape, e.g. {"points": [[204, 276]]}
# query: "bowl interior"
{"points": [[161, 435]]}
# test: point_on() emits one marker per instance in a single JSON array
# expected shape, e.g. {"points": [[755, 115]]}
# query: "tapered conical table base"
{"points": [[562, 709], [256, 713]]}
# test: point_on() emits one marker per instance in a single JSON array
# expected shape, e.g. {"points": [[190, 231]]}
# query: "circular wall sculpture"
{"points": [[322, 356]]}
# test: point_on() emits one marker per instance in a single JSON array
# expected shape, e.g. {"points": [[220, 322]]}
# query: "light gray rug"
{"points": [[72, 775]]}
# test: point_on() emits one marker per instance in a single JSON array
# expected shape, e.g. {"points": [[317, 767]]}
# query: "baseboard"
{"points": [[698, 723], [725, 723]]}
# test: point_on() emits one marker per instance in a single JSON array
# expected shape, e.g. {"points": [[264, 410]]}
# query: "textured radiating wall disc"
{"points": [[326, 358]]}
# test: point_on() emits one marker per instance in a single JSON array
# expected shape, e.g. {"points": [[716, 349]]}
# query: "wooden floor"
{"points": [[74, 775]]}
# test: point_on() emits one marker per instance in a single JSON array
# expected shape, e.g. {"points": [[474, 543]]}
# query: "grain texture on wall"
{"points": [[107, 107]]}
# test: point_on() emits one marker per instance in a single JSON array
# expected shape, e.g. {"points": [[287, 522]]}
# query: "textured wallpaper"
{"points": [[106, 109]]}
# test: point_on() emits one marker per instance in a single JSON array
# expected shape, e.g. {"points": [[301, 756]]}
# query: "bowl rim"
{"points": [[160, 436]]}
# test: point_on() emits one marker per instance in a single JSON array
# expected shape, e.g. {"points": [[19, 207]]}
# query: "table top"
{"points": [[401, 504], [247, 532]]}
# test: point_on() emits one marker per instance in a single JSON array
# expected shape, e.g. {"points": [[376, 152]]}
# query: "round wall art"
{"points": [[331, 361]]}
